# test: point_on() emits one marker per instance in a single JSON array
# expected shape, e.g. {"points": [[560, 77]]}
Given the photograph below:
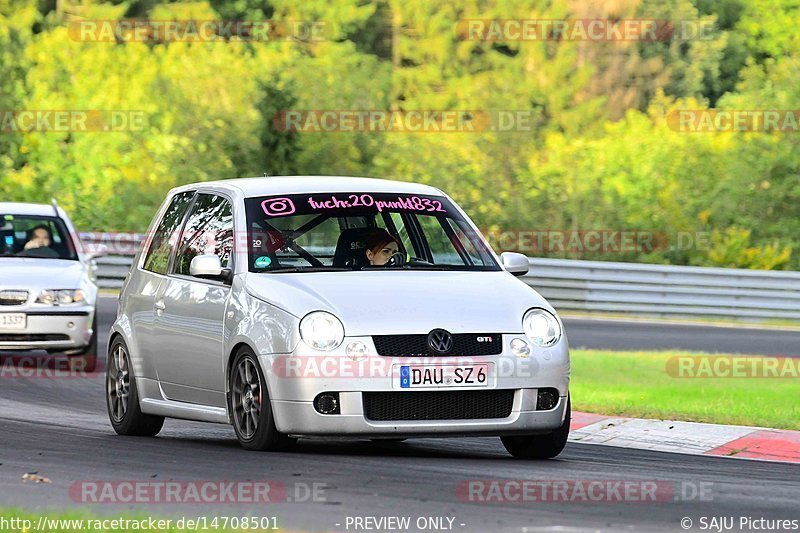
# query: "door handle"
{"points": [[159, 306]]}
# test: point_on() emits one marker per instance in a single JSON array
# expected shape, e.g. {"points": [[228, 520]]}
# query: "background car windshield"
{"points": [[328, 230], [35, 236]]}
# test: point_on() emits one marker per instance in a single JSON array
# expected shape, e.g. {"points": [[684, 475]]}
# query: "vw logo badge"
{"points": [[440, 341]]}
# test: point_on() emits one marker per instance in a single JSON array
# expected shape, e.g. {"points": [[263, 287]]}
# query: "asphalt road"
{"points": [[636, 335], [58, 428]]}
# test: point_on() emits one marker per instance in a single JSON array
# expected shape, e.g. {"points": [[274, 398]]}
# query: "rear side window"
{"points": [[208, 230], [166, 234]]}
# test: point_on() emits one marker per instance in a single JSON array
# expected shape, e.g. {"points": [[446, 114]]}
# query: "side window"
{"points": [[208, 230], [165, 236]]}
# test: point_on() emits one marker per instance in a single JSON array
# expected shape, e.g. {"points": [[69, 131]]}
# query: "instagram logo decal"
{"points": [[276, 207]]}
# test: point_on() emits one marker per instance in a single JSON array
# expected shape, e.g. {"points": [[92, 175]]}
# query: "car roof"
{"points": [[22, 208], [265, 186]]}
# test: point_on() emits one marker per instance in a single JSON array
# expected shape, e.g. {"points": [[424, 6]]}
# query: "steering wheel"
{"points": [[397, 259], [44, 252]]}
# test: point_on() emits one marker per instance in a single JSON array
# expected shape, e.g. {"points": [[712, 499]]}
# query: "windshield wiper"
{"points": [[305, 269]]}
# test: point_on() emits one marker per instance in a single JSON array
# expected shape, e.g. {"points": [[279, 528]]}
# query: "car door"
{"points": [[190, 311], [142, 287]]}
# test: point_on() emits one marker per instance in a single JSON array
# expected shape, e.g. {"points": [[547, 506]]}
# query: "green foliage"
{"points": [[732, 249], [598, 151]]}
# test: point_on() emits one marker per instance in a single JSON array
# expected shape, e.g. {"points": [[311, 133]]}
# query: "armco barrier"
{"points": [[662, 290], [594, 286], [120, 247]]}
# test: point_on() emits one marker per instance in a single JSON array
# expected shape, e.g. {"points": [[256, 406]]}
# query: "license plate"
{"points": [[428, 376], [12, 321]]}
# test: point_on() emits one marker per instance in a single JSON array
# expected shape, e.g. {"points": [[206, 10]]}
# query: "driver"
{"points": [[380, 246], [40, 238]]}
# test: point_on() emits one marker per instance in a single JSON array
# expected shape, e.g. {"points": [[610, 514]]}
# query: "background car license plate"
{"points": [[423, 376], [12, 321]]}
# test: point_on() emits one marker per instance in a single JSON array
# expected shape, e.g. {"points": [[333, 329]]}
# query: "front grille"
{"points": [[464, 344], [13, 297], [438, 405], [32, 337]]}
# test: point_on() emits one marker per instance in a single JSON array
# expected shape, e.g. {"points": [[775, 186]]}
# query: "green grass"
{"points": [[637, 384], [7, 515]]}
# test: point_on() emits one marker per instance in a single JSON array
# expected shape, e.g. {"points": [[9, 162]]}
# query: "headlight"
{"points": [[60, 297], [541, 327], [321, 330]]}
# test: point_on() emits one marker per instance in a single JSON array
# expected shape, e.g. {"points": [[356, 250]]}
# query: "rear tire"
{"points": [[122, 396], [544, 446], [251, 409]]}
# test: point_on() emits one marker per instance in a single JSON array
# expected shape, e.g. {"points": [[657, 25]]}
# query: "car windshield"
{"points": [[35, 236], [361, 231]]}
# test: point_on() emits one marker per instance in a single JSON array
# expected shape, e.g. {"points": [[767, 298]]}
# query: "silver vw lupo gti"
{"points": [[329, 306]]}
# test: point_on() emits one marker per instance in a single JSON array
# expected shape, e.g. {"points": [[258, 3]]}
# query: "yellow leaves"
{"points": [[23, 178], [731, 248], [184, 11]]}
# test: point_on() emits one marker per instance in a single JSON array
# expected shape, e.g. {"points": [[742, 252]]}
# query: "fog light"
{"points": [[520, 348], [547, 399], [356, 350], [327, 403]]}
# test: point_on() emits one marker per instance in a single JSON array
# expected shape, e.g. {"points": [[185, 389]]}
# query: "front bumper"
{"points": [[294, 380], [50, 330], [300, 418]]}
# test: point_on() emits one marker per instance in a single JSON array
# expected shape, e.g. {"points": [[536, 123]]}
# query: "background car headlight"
{"points": [[61, 297], [321, 330], [541, 327]]}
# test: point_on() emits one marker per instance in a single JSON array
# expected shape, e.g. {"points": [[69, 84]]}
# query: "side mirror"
{"points": [[209, 267], [516, 264]]}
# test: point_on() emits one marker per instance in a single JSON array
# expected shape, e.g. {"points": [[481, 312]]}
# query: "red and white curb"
{"points": [[741, 442]]}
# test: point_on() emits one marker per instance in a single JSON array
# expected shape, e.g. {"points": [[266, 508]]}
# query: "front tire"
{"points": [[251, 409], [544, 446], [122, 396]]}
